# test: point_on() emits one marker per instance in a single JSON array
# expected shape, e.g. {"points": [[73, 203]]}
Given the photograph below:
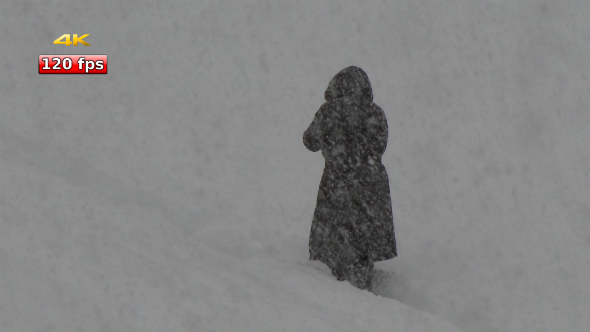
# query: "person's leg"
{"points": [[361, 272], [338, 272]]}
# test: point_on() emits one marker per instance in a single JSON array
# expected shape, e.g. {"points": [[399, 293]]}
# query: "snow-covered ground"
{"points": [[175, 194]]}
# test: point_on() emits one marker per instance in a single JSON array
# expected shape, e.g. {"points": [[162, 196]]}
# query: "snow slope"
{"points": [[175, 194]]}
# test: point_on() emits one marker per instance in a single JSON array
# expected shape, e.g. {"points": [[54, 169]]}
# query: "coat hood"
{"points": [[350, 82]]}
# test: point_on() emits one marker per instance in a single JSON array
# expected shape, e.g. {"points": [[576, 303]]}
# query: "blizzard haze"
{"points": [[175, 193]]}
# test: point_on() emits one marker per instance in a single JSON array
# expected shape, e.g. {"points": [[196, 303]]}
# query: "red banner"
{"points": [[72, 64]]}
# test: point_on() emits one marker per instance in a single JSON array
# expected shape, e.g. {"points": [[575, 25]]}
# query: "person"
{"points": [[352, 223]]}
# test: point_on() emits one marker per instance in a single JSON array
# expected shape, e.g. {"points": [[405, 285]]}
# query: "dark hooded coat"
{"points": [[352, 224]]}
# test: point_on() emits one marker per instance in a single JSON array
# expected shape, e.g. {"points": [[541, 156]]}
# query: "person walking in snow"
{"points": [[352, 224]]}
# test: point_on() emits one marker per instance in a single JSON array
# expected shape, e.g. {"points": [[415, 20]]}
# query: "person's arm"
{"points": [[379, 132], [311, 137]]}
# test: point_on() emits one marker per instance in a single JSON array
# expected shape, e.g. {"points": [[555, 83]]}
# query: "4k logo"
{"points": [[59, 41]]}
